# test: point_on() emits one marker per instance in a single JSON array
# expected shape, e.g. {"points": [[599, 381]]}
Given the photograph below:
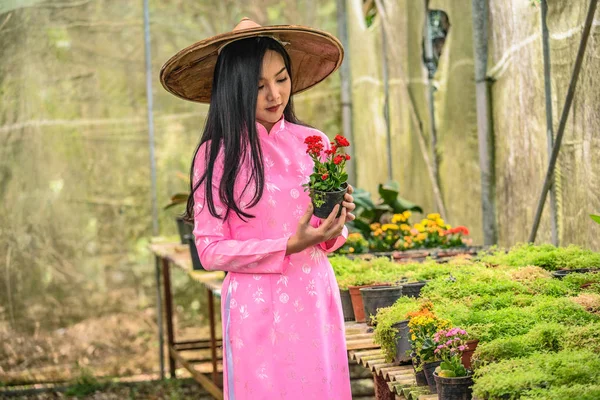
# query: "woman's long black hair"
{"points": [[231, 124]]}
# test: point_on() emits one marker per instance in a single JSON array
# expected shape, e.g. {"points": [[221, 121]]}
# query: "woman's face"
{"points": [[274, 87]]}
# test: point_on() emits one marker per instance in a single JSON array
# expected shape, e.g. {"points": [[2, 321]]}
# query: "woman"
{"points": [[283, 327]]}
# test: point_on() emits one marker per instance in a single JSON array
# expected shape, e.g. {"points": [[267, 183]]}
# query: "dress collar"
{"points": [[277, 127]]}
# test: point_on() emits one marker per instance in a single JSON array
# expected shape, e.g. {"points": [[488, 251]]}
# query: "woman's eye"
{"points": [[261, 86], [282, 80]]}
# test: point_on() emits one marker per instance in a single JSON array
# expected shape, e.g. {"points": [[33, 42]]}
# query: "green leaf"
{"points": [[595, 218], [177, 199], [389, 192], [362, 198]]}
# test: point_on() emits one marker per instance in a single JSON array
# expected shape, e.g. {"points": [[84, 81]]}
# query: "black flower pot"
{"points": [[429, 369], [402, 343], [420, 377], [379, 297], [184, 229], [561, 273], [413, 289], [331, 199], [196, 264], [454, 388], [347, 305]]}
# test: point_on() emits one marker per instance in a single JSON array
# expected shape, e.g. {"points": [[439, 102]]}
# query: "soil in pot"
{"points": [[357, 302], [347, 305], [402, 344], [413, 289], [429, 369], [454, 388], [330, 200], [378, 297], [468, 353]]}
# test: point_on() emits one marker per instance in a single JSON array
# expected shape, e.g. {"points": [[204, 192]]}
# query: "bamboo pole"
{"points": [[485, 133], [345, 87], [563, 119], [149, 101], [549, 123]]}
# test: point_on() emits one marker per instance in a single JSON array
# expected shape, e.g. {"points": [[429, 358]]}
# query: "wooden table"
{"points": [[178, 255]]}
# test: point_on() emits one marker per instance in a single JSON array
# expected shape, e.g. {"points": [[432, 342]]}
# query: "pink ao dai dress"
{"points": [[283, 328]]}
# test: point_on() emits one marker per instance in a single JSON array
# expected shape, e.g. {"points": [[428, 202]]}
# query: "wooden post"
{"points": [[484, 122]]}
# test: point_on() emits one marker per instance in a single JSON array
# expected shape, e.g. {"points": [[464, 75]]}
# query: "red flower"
{"points": [[341, 141], [338, 159], [332, 151], [324, 176], [315, 145], [347, 157]]}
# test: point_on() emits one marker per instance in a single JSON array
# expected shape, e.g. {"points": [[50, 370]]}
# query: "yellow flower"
{"points": [[413, 337], [398, 218], [407, 214], [378, 232], [351, 249], [405, 227], [421, 236], [375, 226], [434, 216], [355, 236], [440, 222], [419, 227], [392, 227]]}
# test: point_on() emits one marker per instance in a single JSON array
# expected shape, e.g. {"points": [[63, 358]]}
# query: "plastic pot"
{"points": [[184, 229], [561, 273], [357, 302], [347, 305], [468, 353], [429, 369], [420, 377], [331, 199], [196, 264], [402, 344], [454, 388], [378, 297], [413, 289]]}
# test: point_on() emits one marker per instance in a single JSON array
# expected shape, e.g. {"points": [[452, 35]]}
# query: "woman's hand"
{"points": [[307, 236], [348, 204]]}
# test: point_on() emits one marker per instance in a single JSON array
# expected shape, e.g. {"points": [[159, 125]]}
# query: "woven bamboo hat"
{"points": [[314, 54]]}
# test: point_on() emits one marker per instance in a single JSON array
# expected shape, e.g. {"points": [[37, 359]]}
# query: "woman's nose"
{"points": [[273, 93]]}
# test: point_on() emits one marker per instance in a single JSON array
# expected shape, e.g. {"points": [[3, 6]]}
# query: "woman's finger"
{"points": [[350, 189], [305, 220]]}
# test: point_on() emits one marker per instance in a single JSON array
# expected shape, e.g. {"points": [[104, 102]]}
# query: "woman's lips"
{"points": [[273, 109]]}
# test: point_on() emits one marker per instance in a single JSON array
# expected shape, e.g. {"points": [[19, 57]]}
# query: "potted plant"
{"points": [[391, 330], [423, 325], [328, 182], [376, 297], [453, 379], [368, 212]]}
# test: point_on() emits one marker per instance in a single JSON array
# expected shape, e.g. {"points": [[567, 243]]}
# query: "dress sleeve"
{"points": [[217, 249], [333, 244]]}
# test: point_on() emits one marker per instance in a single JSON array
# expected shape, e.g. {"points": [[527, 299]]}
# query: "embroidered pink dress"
{"points": [[283, 327]]}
